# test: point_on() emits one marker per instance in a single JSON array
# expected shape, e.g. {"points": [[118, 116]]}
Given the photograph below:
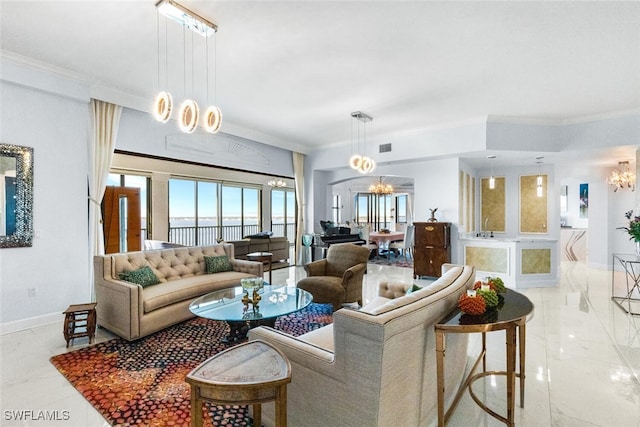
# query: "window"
{"points": [[374, 210], [362, 208], [241, 214], [401, 208], [203, 212], [182, 212], [144, 184], [207, 218], [337, 206], [283, 213]]}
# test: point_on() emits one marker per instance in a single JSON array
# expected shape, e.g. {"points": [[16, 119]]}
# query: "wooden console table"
{"points": [[512, 318]]}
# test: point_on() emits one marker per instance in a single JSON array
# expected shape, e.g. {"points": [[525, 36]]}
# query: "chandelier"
{"points": [[361, 162], [622, 178], [277, 183], [189, 111], [380, 188]]}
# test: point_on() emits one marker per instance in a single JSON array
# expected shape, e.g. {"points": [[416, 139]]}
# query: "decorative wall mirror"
{"points": [[16, 196]]}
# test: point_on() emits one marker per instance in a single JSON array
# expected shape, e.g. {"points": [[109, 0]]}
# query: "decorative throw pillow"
{"points": [[217, 264], [143, 276], [413, 289]]}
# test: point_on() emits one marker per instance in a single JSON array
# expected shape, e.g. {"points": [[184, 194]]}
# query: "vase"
{"points": [[637, 248]]}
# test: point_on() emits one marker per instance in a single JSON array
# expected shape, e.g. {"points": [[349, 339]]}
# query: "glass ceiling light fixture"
{"points": [[189, 112], [623, 178], [381, 188], [187, 18], [361, 162], [492, 179], [277, 183]]}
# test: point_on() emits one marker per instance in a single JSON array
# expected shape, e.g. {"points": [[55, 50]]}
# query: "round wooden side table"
{"points": [[247, 374], [262, 257]]}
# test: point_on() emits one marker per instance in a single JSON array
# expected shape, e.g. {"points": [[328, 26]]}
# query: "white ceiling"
{"points": [[292, 71]]}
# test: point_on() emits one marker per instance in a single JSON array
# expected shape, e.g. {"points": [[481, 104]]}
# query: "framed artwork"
{"points": [[16, 196], [584, 200]]}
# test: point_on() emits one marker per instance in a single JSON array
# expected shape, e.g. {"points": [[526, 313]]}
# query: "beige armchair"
{"points": [[337, 279]]}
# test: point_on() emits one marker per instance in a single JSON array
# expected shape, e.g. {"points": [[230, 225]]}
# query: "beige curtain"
{"points": [[298, 172], [105, 119]]}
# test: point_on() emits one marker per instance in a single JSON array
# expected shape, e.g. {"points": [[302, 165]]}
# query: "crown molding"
{"points": [[45, 67], [603, 116], [537, 121], [563, 122]]}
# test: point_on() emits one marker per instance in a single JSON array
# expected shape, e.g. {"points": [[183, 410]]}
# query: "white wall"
{"points": [[140, 133], [50, 113], [57, 265]]}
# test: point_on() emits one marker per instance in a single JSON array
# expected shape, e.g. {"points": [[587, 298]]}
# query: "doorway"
{"points": [[121, 225]]}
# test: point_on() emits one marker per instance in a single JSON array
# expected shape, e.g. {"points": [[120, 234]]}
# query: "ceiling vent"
{"points": [[384, 148]]}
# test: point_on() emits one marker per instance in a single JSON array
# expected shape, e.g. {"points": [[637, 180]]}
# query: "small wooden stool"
{"points": [[250, 373], [80, 321]]}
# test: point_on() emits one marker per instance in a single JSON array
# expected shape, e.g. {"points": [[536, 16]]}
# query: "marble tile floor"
{"points": [[582, 368]]}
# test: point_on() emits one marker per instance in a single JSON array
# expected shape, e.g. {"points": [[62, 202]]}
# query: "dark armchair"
{"points": [[337, 279]]}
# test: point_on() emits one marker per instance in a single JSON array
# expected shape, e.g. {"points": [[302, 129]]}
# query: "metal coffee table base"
{"points": [[238, 330]]}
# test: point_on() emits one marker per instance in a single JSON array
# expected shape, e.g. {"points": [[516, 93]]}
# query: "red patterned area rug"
{"points": [[142, 383], [395, 261]]}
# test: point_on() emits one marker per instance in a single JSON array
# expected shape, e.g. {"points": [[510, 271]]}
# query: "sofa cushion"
{"points": [[167, 293], [321, 337], [445, 280], [375, 303], [143, 276], [413, 288], [217, 264]]}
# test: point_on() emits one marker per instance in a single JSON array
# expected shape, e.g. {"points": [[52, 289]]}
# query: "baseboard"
{"points": [[31, 322]]}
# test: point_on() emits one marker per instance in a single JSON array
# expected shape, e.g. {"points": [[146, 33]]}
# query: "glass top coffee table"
{"points": [[228, 305]]}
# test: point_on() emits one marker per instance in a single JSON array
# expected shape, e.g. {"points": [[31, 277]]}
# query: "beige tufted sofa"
{"points": [[133, 312], [375, 366]]}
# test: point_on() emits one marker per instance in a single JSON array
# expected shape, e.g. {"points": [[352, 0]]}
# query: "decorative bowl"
{"points": [[252, 283]]}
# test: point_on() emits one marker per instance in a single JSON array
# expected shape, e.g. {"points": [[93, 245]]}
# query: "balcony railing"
{"points": [[209, 235]]}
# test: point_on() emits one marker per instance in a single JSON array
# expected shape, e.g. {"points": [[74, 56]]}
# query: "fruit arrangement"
{"points": [[490, 297], [497, 284], [471, 303], [483, 297]]}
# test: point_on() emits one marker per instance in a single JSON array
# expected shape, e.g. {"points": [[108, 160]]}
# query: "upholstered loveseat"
{"points": [[375, 366], [134, 311], [278, 246]]}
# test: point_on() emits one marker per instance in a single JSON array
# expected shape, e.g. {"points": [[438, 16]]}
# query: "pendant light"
{"points": [[492, 179], [361, 162], [539, 179], [189, 111], [163, 103], [213, 115]]}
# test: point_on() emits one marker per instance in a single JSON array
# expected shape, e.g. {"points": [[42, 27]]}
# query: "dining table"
{"points": [[383, 239]]}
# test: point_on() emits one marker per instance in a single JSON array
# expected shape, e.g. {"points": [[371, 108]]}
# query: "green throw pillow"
{"points": [[143, 276], [217, 264], [413, 289]]}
